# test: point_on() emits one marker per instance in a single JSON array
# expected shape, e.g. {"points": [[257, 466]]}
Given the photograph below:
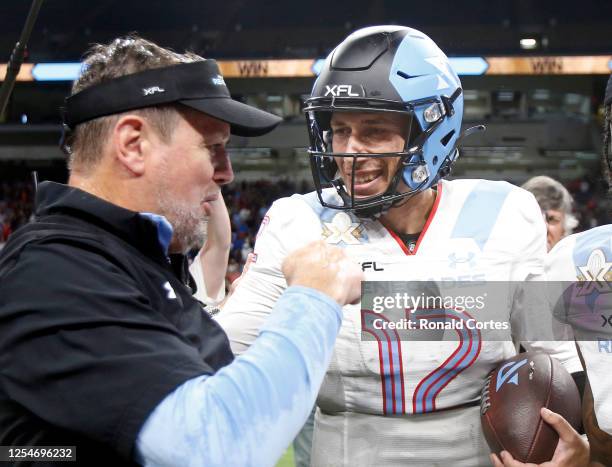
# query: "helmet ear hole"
{"points": [[447, 137], [435, 160], [444, 171]]}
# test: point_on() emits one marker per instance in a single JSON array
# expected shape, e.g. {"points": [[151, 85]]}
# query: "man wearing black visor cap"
{"points": [[104, 351]]}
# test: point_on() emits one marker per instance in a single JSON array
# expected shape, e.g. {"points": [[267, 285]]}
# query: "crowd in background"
{"points": [[16, 201], [248, 202], [591, 206]]}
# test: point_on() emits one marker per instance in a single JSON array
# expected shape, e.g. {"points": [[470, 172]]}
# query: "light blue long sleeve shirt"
{"points": [[248, 412]]}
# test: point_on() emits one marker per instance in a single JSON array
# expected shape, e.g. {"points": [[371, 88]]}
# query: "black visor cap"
{"points": [[198, 85]]}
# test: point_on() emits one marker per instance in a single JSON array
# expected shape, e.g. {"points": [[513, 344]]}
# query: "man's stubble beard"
{"points": [[189, 226]]}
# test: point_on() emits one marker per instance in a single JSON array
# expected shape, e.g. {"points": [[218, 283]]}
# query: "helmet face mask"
{"points": [[388, 69], [325, 160]]}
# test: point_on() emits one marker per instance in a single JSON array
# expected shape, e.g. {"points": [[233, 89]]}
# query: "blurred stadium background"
{"points": [[533, 72]]}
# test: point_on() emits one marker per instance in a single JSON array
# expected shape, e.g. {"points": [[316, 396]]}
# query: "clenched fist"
{"points": [[326, 269]]}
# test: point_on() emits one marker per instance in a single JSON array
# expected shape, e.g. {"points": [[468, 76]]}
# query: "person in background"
{"points": [[556, 204]]}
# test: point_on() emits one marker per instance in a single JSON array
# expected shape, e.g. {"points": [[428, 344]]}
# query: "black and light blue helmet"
{"points": [[387, 69]]}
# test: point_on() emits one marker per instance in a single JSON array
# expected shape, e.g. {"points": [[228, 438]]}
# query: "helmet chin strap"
{"points": [[373, 212]]}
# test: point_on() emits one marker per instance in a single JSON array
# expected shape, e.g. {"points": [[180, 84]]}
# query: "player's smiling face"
{"points": [[368, 133]]}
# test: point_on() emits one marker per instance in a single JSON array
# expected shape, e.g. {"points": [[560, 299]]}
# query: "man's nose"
{"points": [[355, 145], [224, 173]]}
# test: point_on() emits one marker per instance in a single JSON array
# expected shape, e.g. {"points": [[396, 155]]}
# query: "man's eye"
{"points": [[215, 148], [341, 132], [375, 133]]}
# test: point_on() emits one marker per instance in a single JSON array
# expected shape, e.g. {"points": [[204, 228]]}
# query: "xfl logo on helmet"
{"points": [[337, 90]]}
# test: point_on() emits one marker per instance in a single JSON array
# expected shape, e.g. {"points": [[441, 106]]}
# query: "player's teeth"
{"points": [[361, 180]]}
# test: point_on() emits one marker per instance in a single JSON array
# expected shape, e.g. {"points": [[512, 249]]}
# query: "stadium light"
{"points": [[529, 43]]}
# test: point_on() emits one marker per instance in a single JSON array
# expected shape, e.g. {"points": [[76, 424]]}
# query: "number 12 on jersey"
{"points": [[390, 348]]}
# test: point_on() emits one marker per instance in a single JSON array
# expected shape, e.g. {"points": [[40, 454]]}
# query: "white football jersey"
{"points": [[385, 401], [587, 258], [195, 269]]}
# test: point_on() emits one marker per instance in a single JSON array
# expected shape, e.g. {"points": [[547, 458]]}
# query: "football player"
{"points": [[384, 119]]}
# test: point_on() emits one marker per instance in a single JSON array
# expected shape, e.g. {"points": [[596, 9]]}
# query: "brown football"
{"points": [[511, 401]]}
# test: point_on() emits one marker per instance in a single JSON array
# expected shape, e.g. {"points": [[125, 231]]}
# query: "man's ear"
{"points": [[131, 142]]}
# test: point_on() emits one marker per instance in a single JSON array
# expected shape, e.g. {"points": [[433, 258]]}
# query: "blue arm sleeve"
{"points": [[248, 412]]}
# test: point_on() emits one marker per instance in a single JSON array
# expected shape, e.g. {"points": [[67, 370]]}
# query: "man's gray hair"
{"points": [[550, 194]]}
